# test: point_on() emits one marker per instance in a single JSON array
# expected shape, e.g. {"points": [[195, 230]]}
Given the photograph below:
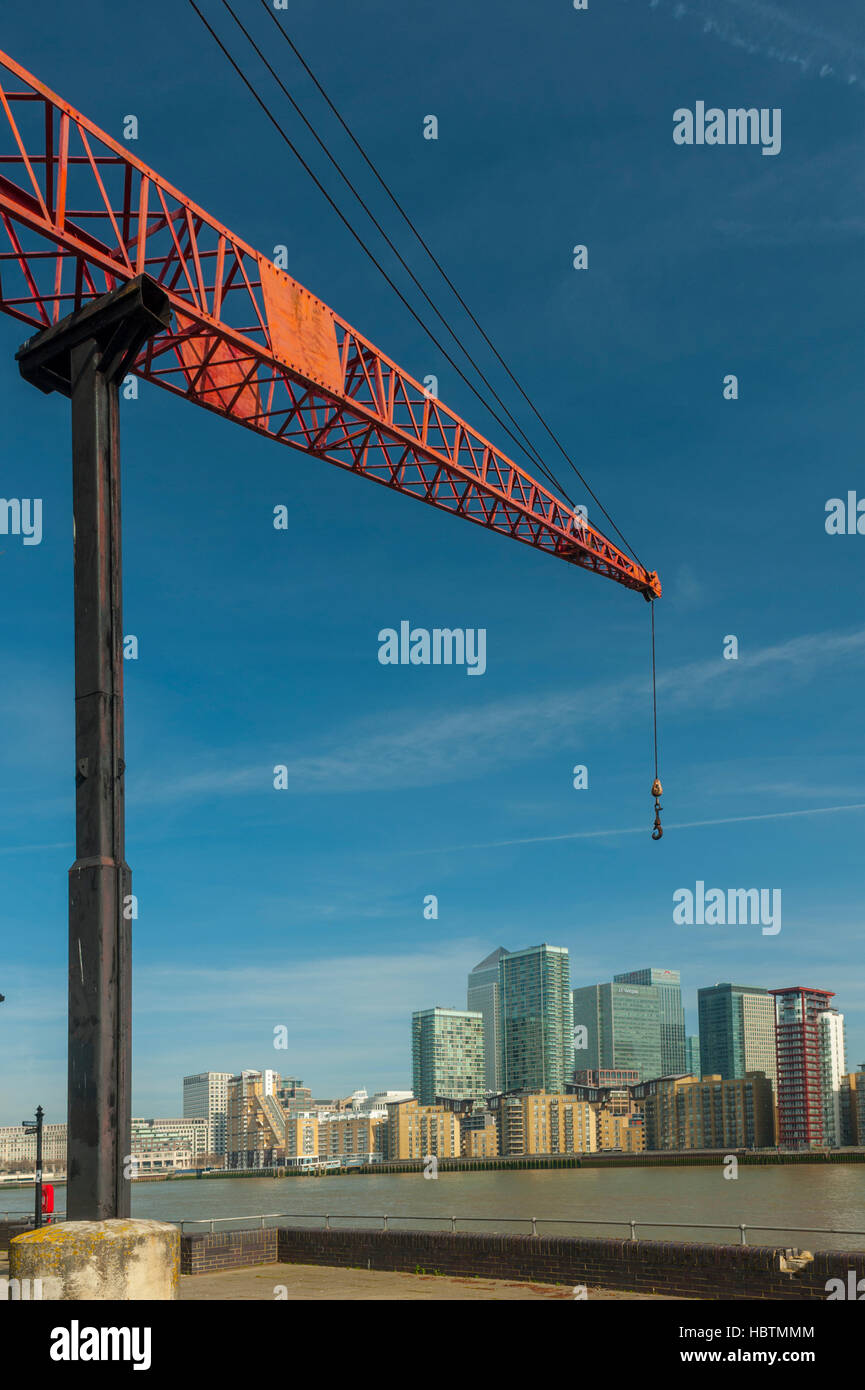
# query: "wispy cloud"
{"points": [[639, 829], [32, 849], [347, 1020], [347, 1016], [462, 744], [782, 34], [798, 232], [354, 985]]}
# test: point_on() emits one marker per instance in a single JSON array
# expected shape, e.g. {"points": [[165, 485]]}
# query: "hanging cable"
{"points": [[657, 789], [527, 447], [547, 474], [523, 443], [407, 219], [527, 444]]}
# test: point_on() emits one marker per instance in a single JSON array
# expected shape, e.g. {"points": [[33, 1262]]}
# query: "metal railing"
{"points": [[25, 1223], [452, 1222], [532, 1221]]}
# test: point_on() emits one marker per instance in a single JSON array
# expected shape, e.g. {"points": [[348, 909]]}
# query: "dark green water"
{"points": [[824, 1195]]}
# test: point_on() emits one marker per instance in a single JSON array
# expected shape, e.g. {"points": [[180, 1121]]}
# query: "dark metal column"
{"points": [[100, 977], [86, 357]]}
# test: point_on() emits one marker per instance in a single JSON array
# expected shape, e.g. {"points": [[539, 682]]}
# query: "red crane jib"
{"points": [[82, 215]]}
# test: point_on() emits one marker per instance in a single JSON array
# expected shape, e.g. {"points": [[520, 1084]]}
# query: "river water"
{"points": [[824, 1195]]}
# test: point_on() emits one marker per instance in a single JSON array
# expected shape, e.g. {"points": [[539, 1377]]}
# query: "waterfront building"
{"points": [[606, 1076], [617, 1099], [737, 1031], [619, 1117], [800, 1066], [536, 1019], [416, 1131], [620, 1131], [16, 1146], [543, 1123], [352, 1138], [692, 1056], [294, 1097], [853, 1108], [326, 1109], [205, 1097], [359, 1103], [668, 983], [479, 1133], [377, 1103], [483, 996], [156, 1144], [161, 1144], [301, 1146], [622, 1028], [162, 1157], [256, 1122], [833, 1065], [857, 1109], [447, 1055], [712, 1113]]}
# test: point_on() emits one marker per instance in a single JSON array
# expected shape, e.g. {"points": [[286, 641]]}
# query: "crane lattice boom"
{"points": [[82, 216]]}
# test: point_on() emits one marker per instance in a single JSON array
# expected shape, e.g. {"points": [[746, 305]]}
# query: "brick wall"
{"points": [[205, 1253], [668, 1267]]}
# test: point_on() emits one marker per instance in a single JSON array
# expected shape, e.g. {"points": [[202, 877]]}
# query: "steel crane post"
{"points": [[85, 356]]}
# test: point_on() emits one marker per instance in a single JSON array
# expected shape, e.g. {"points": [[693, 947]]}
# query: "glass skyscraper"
{"points": [[535, 1001], [483, 997], [622, 1028], [737, 1030], [668, 983], [447, 1055]]}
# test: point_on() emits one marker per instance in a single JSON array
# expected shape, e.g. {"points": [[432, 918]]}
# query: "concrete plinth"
{"points": [[104, 1260]]}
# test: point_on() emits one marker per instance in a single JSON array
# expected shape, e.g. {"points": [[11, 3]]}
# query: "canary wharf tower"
{"points": [[536, 1019]]}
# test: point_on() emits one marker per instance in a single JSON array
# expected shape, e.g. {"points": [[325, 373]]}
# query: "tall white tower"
{"points": [[832, 1068], [205, 1097]]}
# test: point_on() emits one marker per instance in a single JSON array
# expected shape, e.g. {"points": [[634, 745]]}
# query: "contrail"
{"points": [[778, 34], [27, 849], [642, 829]]}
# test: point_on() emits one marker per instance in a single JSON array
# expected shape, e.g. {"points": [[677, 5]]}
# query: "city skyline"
{"points": [[260, 648], [447, 890], [395, 1073]]}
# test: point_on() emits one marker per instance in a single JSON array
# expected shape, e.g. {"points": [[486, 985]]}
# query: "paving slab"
{"points": [[291, 1282], [326, 1282]]}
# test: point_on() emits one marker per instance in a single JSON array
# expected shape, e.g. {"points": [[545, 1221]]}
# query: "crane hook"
{"points": [[657, 791]]}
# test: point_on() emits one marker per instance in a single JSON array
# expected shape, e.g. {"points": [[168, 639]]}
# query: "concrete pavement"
{"points": [[290, 1282]]}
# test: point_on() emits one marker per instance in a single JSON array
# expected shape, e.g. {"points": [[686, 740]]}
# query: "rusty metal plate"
{"points": [[302, 332], [223, 383]]}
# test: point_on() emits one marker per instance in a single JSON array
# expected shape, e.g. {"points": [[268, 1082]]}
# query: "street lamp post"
{"points": [[31, 1128]]}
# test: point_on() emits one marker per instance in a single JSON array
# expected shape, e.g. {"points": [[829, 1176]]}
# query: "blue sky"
{"points": [[304, 907]]}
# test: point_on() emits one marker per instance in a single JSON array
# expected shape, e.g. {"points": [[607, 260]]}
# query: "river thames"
{"points": [[820, 1195]]}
